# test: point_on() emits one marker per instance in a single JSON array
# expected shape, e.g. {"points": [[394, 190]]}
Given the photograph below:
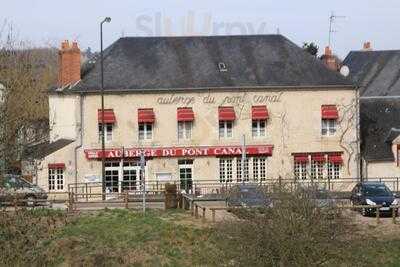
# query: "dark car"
{"points": [[373, 193], [13, 186], [248, 196]]}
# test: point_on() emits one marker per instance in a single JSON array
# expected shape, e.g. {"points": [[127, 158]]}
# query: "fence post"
{"points": [[126, 200], [86, 191], [394, 209], [196, 211], [204, 214], [192, 207], [377, 214]]}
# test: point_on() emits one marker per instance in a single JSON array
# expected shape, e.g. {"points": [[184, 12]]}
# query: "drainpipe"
{"points": [[80, 139]]}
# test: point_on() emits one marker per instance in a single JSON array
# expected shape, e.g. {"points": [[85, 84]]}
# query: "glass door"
{"points": [[186, 174]]}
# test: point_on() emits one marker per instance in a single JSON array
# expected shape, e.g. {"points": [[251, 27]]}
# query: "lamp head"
{"points": [[107, 19]]}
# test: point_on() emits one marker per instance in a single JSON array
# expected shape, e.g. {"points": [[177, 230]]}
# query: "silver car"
{"points": [[14, 187]]}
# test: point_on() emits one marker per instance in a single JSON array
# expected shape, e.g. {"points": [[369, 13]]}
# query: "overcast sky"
{"points": [[50, 21]]}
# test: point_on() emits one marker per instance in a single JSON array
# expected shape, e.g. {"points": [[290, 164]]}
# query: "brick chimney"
{"points": [[70, 63], [367, 46], [330, 60]]}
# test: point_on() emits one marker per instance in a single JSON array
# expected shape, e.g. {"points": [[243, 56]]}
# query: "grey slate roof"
{"points": [[44, 149], [158, 63], [380, 121], [376, 72]]}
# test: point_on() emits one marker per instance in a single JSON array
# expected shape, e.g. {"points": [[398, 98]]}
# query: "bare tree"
{"points": [[26, 74]]}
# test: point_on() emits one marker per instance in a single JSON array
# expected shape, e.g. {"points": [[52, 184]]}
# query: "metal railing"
{"points": [[199, 187]]}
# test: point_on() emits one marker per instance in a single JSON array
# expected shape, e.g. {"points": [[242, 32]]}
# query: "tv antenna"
{"points": [[332, 20]]}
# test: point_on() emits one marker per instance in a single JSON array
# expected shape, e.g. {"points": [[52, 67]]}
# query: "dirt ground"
{"points": [[383, 229]]}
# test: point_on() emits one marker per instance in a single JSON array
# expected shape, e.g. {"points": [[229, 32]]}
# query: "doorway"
{"points": [[186, 174], [121, 176]]}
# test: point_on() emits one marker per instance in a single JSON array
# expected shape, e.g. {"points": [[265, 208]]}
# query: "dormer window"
{"points": [[222, 67]]}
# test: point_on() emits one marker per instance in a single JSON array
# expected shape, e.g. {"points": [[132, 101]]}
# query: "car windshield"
{"points": [[377, 191]]}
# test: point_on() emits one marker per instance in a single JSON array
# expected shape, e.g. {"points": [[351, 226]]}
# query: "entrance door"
{"points": [[112, 176], [186, 174], [131, 178]]}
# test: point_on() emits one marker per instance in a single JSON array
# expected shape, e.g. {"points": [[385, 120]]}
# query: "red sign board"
{"points": [[202, 151]]}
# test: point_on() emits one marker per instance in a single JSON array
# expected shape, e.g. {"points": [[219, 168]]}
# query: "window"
{"points": [[145, 131], [328, 127], [300, 170], [239, 170], [258, 128], [317, 169], [185, 129], [259, 169], [225, 129], [225, 170], [334, 170], [56, 179], [107, 131], [318, 166]]}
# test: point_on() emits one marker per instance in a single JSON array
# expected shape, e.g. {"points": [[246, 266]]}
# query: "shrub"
{"points": [[296, 231]]}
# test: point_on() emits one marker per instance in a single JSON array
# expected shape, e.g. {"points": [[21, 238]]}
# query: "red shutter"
{"points": [[329, 112], [56, 165], [335, 159], [146, 115], [226, 114], [318, 157], [109, 116], [301, 158], [185, 114], [259, 113]]}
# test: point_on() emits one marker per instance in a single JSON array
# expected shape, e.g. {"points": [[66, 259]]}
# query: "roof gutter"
{"points": [[222, 88]]}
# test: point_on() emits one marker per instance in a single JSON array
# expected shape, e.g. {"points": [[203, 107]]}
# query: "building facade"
{"points": [[192, 105], [377, 76]]}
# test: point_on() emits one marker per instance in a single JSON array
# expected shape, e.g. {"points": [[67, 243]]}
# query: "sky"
{"points": [[48, 22]]}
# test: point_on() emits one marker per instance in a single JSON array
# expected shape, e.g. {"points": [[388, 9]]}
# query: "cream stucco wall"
{"points": [[63, 116], [294, 126]]}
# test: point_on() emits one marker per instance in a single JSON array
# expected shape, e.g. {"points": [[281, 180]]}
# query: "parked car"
{"points": [[247, 195], [373, 193], [13, 186], [320, 196]]}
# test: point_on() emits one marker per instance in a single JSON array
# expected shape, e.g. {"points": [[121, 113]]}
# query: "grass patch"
{"points": [[126, 238]]}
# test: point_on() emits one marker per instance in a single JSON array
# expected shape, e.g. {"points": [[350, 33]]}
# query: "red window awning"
{"points": [[146, 115], [259, 113], [318, 157], [226, 114], [56, 165], [301, 158], [185, 114], [109, 116], [329, 112], [335, 158]]}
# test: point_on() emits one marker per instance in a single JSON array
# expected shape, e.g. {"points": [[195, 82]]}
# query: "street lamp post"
{"points": [[103, 145]]}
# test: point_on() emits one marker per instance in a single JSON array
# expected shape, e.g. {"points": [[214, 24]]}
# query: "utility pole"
{"points": [[332, 20], [142, 166], [243, 157], [103, 146]]}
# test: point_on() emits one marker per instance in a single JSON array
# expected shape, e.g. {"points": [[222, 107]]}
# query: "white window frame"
{"points": [[56, 179], [317, 170], [258, 128], [108, 131], [239, 170], [334, 171], [259, 168], [226, 170], [225, 129], [147, 132], [328, 127], [185, 130], [300, 170]]}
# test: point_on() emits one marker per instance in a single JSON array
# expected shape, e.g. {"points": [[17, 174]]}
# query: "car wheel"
{"points": [[364, 212]]}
